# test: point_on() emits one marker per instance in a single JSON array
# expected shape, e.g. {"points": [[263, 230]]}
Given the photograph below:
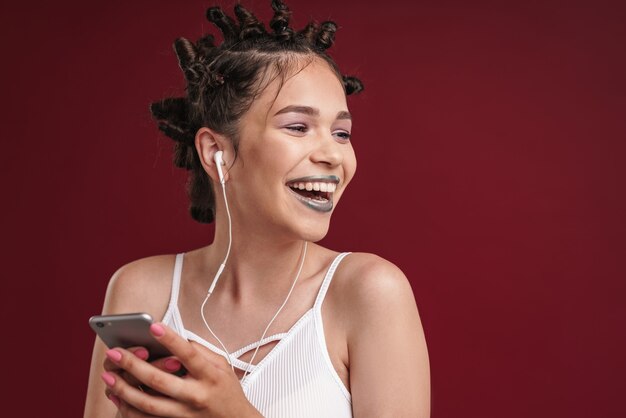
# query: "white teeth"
{"points": [[315, 186]]}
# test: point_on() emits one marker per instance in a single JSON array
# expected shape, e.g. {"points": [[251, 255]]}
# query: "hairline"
{"points": [[266, 77]]}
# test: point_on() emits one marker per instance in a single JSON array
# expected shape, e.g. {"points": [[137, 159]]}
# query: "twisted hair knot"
{"points": [[249, 25], [280, 21], [326, 35]]}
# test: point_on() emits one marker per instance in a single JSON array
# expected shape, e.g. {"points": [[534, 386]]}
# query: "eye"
{"points": [[299, 128], [343, 136]]}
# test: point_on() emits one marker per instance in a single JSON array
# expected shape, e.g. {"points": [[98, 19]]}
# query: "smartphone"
{"points": [[128, 330]]}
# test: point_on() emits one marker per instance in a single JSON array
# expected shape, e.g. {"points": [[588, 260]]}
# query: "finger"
{"points": [[194, 360], [168, 364], [145, 373], [129, 378], [135, 403], [140, 352]]}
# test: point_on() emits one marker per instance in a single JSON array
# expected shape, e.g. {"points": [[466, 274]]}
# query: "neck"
{"points": [[259, 266]]}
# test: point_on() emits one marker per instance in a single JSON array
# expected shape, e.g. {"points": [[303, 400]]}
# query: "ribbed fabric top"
{"points": [[296, 378]]}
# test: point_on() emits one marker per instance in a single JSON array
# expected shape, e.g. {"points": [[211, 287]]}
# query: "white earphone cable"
{"points": [[219, 273]]}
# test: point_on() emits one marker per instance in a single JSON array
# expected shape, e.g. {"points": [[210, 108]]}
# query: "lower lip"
{"points": [[316, 205]]}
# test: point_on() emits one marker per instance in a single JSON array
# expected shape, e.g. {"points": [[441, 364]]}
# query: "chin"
{"points": [[315, 237], [314, 231]]}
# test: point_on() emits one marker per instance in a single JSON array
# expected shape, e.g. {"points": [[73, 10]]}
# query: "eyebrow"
{"points": [[307, 110]]}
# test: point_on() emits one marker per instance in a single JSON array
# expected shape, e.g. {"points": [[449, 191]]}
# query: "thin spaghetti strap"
{"points": [[319, 328], [172, 315], [178, 269], [329, 276]]}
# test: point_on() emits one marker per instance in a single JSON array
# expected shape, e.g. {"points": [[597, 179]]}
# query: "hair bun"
{"points": [[310, 32], [352, 85], [282, 14], [326, 36], [172, 115], [205, 45], [224, 22], [249, 25], [186, 52]]}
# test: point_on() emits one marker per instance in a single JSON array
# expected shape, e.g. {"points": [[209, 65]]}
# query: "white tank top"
{"points": [[296, 378]]}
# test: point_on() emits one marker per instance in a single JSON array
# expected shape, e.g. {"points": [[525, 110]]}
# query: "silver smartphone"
{"points": [[128, 330]]}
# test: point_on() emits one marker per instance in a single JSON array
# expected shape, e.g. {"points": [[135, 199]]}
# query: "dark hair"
{"points": [[223, 80]]}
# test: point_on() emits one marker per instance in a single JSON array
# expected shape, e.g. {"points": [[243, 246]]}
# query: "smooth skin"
{"points": [[371, 323]]}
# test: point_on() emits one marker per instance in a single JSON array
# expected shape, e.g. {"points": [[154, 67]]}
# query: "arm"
{"points": [[141, 286], [389, 369], [210, 389]]}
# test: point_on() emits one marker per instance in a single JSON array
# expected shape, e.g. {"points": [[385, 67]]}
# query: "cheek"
{"points": [[267, 166], [349, 165], [279, 156]]}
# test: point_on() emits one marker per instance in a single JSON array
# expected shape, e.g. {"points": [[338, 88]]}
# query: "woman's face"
{"points": [[295, 157]]}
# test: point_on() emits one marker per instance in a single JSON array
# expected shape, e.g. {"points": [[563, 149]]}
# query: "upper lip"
{"points": [[314, 179]]}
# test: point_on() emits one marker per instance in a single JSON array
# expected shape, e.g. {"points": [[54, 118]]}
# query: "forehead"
{"points": [[311, 83]]}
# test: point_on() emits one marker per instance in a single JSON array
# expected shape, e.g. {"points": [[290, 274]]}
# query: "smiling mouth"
{"points": [[315, 192]]}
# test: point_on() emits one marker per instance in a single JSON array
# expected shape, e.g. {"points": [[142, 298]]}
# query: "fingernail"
{"points": [[157, 330], [172, 364], [114, 355], [142, 353], [115, 400], [108, 379]]}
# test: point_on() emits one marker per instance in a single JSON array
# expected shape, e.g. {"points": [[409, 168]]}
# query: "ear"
{"points": [[208, 142]]}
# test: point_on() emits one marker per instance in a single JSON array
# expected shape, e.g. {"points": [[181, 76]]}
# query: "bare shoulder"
{"points": [[388, 358], [143, 285], [369, 282]]}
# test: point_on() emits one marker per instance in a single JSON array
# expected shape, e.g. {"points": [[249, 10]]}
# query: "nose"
{"points": [[327, 151]]}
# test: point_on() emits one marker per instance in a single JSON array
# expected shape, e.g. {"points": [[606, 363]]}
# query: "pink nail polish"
{"points": [[114, 355], [142, 353], [157, 330], [172, 364], [108, 379]]}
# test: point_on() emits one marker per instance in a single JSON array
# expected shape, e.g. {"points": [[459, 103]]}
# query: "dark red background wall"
{"points": [[491, 146]]}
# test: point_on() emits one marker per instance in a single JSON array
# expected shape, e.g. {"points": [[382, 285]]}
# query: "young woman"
{"points": [[264, 321]]}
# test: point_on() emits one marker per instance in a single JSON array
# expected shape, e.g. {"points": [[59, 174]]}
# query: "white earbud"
{"points": [[219, 162]]}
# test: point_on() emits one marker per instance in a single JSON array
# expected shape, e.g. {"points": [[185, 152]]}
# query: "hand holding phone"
{"points": [[128, 330]]}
